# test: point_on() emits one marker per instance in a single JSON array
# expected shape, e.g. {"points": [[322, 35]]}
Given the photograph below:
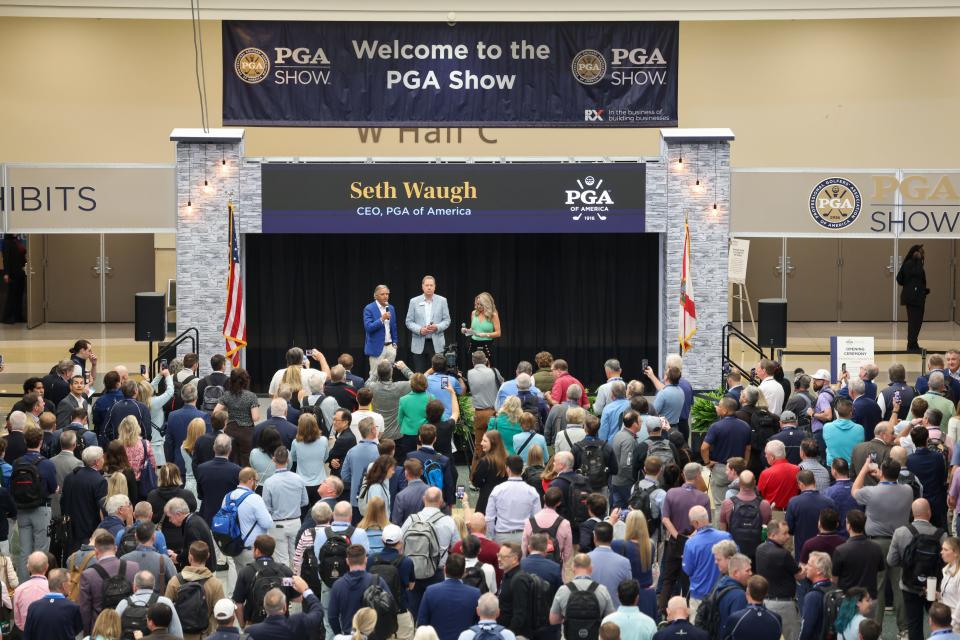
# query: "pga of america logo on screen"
{"points": [[589, 201]]}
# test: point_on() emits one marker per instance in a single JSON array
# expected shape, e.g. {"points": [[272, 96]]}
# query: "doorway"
{"points": [[87, 277]]}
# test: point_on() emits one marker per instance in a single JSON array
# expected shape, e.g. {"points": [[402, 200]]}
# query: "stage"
{"points": [[584, 298]]}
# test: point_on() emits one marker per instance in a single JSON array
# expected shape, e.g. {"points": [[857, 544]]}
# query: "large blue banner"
{"points": [[563, 74], [534, 197]]}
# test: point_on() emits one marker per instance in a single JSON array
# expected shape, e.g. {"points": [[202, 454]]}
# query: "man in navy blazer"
{"points": [[277, 626], [450, 607], [277, 420], [177, 424], [427, 318], [380, 327], [216, 478]]}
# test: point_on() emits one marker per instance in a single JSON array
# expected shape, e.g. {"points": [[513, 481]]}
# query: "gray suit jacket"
{"points": [[416, 318]]}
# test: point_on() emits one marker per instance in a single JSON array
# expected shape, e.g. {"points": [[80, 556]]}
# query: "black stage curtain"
{"points": [[584, 298]]}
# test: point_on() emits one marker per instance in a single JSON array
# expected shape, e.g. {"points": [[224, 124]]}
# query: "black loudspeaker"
{"points": [[150, 316], [773, 322]]}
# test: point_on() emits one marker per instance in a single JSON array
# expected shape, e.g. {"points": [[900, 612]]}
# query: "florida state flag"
{"points": [[687, 325]]}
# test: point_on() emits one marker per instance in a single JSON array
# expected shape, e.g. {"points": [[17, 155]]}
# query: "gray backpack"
{"points": [[421, 545]]}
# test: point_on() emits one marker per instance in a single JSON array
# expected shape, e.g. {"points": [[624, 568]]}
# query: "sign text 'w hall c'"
{"points": [[592, 74]]}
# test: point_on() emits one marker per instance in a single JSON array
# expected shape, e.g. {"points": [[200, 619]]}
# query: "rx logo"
{"points": [[593, 115]]}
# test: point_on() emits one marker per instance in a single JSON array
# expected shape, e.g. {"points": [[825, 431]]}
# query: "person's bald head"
{"points": [[343, 511], [921, 509], [748, 481], [477, 523], [677, 608], [432, 497]]}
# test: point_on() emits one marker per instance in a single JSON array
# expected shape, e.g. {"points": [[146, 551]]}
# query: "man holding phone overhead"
{"points": [[380, 327]]}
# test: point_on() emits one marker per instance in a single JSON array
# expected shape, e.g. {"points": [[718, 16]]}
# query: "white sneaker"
{"points": [[903, 635]]}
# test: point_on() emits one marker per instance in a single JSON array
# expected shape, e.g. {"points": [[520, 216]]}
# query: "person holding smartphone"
{"points": [[484, 326]]}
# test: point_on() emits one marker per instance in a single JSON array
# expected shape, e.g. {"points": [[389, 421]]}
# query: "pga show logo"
{"points": [[835, 203], [589, 201], [292, 66]]}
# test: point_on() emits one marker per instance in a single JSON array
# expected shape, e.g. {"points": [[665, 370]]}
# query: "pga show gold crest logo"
{"points": [[835, 203], [589, 66], [251, 65]]}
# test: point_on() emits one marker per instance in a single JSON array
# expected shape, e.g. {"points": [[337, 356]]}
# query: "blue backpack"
{"points": [[433, 472], [226, 526]]}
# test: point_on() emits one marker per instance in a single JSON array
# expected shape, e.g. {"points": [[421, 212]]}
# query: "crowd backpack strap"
{"points": [[527, 441]]}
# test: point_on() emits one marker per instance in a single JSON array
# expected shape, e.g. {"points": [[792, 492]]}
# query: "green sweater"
{"points": [[412, 412], [507, 430]]}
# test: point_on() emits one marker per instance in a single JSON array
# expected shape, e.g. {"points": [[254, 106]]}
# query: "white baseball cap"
{"points": [[821, 374], [391, 534], [224, 609]]}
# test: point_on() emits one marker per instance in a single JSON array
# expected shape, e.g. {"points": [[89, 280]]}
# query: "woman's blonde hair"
{"points": [[461, 524], [535, 456], [107, 625], [364, 622], [486, 302], [426, 632], [639, 534], [512, 408], [144, 392], [129, 432], [291, 376], [954, 544], [195, 429], [576, 415], [117, 484], [376, 514], [549, 473], [169, 475]]}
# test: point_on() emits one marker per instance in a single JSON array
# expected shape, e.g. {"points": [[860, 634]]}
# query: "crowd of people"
{"points": [[172, 508]]}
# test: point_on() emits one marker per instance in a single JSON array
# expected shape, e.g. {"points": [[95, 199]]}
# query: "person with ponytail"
{"points": [[364, 622]]}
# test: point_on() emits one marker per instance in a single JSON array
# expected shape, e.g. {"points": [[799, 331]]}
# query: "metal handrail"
{"points": [[730, 331], [170, 349]]}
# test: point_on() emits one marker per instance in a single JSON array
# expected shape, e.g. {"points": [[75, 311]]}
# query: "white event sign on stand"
{"points": [[851, 351]]}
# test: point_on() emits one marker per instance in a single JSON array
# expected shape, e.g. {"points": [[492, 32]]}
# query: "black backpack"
{"points": [[746, 524], [128, 542], [26, 485], [305, 407], [708, 615], [530, 403], [921, 558], [553, 547], [212, 393], [764, 425], [576, 501], [592, 463], [581, 620], [389, 570], [830, 607], [474, 577], [640, 500], [114, 589], [191, 605], [333, 555], [533, 476], [310, 568], [267, 577], [134, 617], [177, 401], [540, 597], [383, 602]]}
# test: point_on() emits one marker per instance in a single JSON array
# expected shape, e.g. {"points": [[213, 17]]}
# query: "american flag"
{"points": [[235, 319]]}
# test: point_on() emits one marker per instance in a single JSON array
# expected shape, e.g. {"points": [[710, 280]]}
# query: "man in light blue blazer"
{"points": [[380, 327], [427, 318]]}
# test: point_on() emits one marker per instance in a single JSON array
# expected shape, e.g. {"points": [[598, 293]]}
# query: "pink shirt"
{"points": [[545, 518], [27, 593], [135, 457]]}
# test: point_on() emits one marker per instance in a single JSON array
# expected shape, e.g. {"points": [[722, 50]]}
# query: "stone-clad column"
{"points": [[202, 235], [705, 155]]}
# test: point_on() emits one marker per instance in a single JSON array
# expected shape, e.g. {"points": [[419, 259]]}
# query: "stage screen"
{"points": [[584, 298]]}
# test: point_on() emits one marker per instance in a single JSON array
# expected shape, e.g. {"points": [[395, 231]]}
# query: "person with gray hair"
{"points": [[65, 462], [675, 517], [938, 397], [488, 610], [387, 393], [55, 618], [698, 560], [612, 373], [320, 516], [818, 571], [380, 327], [177, 423], [216, 478], [146, 593], [557, 417], [427, 318], [82, 497], [510, 387], [119, 514], [613, 408]]}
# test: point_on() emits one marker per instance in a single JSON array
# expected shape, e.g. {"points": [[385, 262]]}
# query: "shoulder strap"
{"points": [[593, 586], [101, 572], [154, 596], [913, 530], [526, 442], [86, 561], [567, 438]]}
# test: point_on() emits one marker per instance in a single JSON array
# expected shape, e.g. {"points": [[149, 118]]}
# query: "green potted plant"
{"points": [[703, 413], [463, 431]]}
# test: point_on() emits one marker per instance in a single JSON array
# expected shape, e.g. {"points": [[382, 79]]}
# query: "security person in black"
{"points": [[255, 577]]}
